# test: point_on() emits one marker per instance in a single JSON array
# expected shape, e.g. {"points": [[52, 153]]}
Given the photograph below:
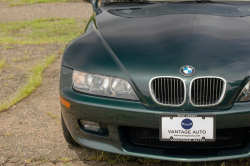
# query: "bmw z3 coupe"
{"points": [[160, 79]]}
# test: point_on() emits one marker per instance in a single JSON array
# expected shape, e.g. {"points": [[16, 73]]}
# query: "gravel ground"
{"points": [[82, 10], [19, 60], [28, 132], [28, 135]]}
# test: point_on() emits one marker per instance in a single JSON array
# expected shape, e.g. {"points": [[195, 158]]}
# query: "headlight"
{"points": [[103, 85], [245, 94]]}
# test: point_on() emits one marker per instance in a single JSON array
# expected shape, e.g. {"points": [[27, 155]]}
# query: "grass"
{"points": [[40, 31], [65, 160], [52, 116], [26, 58], [8, 47], [4, 145], [105, 156], [34, 80], [99, 156], [16, 59], [148, 160], [29, 2], [8, 134], [11, 77], [7, 66], [2, 63]]}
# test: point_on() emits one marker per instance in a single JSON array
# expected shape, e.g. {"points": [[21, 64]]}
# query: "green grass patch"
{"points": [[106, 156], [2, 63], [34, 80], [148, 160], [29, 2], [51, 115], [40, 31]]}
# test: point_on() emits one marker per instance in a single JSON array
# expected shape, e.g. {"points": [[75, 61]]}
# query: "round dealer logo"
{"points": [[187, 70], [187, 124]]}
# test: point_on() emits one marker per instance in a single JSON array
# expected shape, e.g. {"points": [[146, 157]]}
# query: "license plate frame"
{"points": [[187, 116]]}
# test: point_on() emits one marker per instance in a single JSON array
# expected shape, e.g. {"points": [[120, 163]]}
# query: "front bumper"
{"points": [[117, 113]]}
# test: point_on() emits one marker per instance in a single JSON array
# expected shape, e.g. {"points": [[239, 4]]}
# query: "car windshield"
{"points": [[134, 8], [172, 1]]}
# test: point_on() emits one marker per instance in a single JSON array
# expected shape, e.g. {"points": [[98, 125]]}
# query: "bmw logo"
{"points": [[187, 70], [187, 124]]}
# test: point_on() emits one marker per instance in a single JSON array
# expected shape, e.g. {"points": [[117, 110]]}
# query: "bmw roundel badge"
{"points": [[187, 124], [187, 70]]}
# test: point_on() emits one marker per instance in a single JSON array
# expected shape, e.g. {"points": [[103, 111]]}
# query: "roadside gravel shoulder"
{"points": [[79, 10], [30, 131], [29, 135]]}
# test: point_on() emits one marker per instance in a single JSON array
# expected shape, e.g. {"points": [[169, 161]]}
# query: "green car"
{"points": [[167, 80]]}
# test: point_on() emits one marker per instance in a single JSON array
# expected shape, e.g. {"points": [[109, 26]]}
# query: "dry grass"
{"points": [[2, 63], [28, 2], [34, 80], [51, 115], [40, 31]]}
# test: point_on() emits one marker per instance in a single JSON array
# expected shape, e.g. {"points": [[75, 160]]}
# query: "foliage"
{"points": [[40, 31]]}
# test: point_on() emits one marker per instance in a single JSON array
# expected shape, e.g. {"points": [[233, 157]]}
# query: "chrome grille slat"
{"points": [[216, 89], [200, 89], [194, 90], [158, 89], [211, 91], [169, 91], [165, 91], [177, 92], [174, 90], [180, 87], [210, 96], [220, 86], [206, 82], [161, 92], [203, 92]]}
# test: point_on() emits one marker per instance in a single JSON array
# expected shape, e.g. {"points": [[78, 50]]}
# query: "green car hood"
{"points": [[139, 48]]}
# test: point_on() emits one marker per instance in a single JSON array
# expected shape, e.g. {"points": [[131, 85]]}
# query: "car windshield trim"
{"points": [[173, 1]]}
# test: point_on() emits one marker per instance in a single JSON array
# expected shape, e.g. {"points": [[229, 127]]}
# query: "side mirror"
{"points": [[94, 4]]}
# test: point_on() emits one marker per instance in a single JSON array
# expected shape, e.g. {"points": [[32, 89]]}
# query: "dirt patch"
{"points": [[19, 60]]}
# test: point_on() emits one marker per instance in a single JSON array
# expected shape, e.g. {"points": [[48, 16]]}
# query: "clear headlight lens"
{"points": [[103, 85], [245, 94]]}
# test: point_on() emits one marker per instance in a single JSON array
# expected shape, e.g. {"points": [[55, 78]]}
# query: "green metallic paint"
{"points": [[117, 113], [140, 48], [129, 117], [122, 112]]}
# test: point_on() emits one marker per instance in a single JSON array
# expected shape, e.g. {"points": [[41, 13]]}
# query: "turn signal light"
{"points": [[64, 102]]}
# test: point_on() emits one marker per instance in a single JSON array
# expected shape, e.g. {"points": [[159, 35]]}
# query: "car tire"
{"points": [[67, 134]]}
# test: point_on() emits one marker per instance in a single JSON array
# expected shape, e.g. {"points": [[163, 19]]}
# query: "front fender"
{"points": [[90, 53]]}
